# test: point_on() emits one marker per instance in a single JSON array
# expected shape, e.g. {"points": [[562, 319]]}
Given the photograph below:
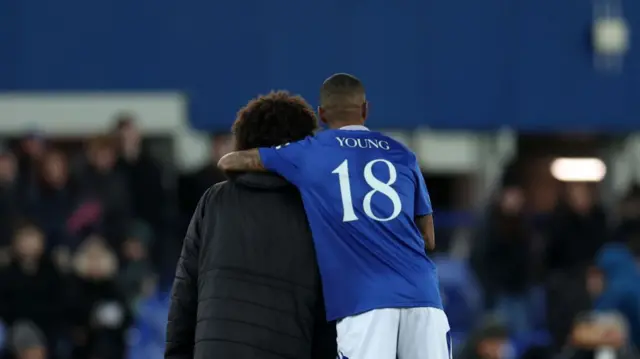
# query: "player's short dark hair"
{"points": [[340, 85], [273, 119]]}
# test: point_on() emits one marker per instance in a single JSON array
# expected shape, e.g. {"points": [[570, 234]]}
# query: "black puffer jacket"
{"points": [[247, 283]]}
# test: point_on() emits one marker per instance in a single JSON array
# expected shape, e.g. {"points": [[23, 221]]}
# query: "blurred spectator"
{"points": [[136, 275], [577, 230], [100, 181], [616, 287], [30, 151], [489, 341], [628, 230], [54, 199], [27, 341], [142, 172], [567, 297], [10, 201], [31, 286], [99, 312], [505, 266], [191, 186], [598, 335]]}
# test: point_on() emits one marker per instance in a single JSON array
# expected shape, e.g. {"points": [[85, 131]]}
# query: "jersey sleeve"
{"points": [[287, 160], [422, 205]]}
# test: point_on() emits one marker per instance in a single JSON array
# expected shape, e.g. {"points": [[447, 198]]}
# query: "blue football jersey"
{"points": [[362, 191]]}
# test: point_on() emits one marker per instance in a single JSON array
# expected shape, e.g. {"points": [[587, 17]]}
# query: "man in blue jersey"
{"points": [[371, 219]]}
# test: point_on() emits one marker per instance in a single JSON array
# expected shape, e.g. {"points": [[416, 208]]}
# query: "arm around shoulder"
{"points": [[248, 160]]}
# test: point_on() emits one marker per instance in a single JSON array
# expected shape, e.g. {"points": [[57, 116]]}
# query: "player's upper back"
{"points": [[358, 143], [353, 174], [368, 166]]}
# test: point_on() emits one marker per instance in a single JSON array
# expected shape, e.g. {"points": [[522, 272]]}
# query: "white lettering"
{"points": [[377, 186], [362, 143], [370, 143], [351, 142]]}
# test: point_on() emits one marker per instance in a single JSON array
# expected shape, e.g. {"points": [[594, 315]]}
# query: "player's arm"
{"points": [[242, 161], [287, 160], [423, 211], [425, 224]]}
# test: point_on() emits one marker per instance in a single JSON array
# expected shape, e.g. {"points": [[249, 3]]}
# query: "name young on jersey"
{"points": [[363, 143]]}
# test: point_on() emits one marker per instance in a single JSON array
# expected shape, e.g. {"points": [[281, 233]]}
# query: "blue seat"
{"points": [[537, 338], [3, 336], [460, 292], [147, 335]]}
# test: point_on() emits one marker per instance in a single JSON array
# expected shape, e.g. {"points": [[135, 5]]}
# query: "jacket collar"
{"points": [[262, 180]]}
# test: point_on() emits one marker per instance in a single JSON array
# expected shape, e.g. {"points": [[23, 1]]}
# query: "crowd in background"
{"points": [[541, 274], [87, 238]]}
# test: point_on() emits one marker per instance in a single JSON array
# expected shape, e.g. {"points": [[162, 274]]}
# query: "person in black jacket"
{"points": [[247, 283]]}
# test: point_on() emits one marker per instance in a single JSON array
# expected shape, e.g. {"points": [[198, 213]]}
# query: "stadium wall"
{"points": [[85, 114], [446, 64]]}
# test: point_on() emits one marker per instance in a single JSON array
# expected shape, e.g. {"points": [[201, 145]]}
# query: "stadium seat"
{"points": [[147, 336], [460, 293]]}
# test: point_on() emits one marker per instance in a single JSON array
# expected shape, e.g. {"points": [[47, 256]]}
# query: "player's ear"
{"points": [[321, 114]]}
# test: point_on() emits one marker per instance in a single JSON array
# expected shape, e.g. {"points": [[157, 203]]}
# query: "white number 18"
{"points": [[376, 186]]}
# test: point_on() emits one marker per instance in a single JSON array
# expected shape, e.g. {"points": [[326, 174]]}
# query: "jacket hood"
{"points": [[615, 260], [261, 180]]}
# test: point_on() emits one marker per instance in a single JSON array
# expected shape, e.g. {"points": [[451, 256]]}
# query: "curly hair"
{"points": [[273, 119]]}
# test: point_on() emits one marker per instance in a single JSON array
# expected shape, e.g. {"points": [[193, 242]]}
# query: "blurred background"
{"points": [[523, 115]]}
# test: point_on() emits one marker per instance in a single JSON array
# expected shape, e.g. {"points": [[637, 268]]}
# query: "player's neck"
{"points": [[340, 124]]}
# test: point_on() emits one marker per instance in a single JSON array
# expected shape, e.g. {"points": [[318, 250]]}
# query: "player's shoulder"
{"points": [[398, 147], [324, 135], [392, 141]]}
